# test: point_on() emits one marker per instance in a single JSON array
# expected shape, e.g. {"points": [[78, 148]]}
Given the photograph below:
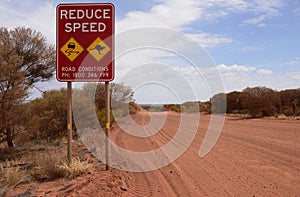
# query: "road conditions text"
{"points": [[85, 72]]}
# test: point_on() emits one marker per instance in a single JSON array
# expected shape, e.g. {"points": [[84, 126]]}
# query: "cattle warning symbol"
{"points": [[98, 49]]}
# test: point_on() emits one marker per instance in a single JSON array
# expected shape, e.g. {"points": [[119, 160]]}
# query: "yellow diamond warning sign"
{"points": [[98, 49], [71, 49]]}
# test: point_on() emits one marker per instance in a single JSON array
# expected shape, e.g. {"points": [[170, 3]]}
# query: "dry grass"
{"points": [[37, 162], [53, 166], [76, 168], [11, 175], [283, 117], [50, 166]]}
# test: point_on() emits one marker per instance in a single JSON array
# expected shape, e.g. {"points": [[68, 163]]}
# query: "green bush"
{"points": [[101, 117]]}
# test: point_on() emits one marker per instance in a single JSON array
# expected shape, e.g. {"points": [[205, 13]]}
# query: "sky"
{"points": [[252, 43]]}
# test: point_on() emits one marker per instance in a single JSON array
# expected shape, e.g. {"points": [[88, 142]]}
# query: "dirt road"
{"points": [[256, 157]]}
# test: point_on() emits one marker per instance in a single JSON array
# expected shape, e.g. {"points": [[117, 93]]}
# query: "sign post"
{"points": [[69, 112], [107, 123], [85, 51]]}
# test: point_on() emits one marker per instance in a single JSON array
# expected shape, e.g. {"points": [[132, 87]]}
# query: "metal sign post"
{"points": [[107, 123], [69, 112]]}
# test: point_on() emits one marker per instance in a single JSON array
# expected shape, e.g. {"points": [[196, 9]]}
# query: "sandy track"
{"points": [[251, 158]]}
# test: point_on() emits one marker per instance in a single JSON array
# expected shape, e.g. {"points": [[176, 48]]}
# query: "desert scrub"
{"points": [[76, 168], [11, 175], [50, 166], [53, 166]]}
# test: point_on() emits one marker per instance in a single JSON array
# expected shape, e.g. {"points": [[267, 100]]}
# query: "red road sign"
{"points": [[85, 42]]}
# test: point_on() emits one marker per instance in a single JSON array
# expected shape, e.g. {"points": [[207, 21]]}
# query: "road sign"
{"points": [[85, 42]]}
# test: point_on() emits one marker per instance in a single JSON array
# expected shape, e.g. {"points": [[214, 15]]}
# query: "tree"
{"points": [[290, 101], [121, 100], [234, 101], [120, 94], [261, 101], [218, 103], [47, 119], [25, 59]]}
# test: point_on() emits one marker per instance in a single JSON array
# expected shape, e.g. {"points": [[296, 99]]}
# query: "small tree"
{"points": [[122, 103], [261, 101], [47, 119], [218, 103], [290, 101], [25, 59], [234, 101], [120, 94]]}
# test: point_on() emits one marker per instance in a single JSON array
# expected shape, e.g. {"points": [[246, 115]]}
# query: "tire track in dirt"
{"points": [[241, 151], [256, 161], [157, 176], [141, 184], [264, 183], [142, 181], [189, 180], [169, 174], [278, 166], [180, 181], [273, 152]]}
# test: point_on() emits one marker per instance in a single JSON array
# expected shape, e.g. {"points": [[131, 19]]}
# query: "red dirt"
{"points": [[256, 157]]}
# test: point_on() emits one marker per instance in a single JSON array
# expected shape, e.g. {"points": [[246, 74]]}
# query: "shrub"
{"points": [[75, 168], [11, 176], [53, 167], [101, 117], [133, 107], [282, 117], [50, 166], [190, 107], [173, 107], [205, 107]]}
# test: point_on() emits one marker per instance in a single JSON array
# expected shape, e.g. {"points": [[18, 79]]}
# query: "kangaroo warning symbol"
{"points": [[98, 49], [71, 49]]}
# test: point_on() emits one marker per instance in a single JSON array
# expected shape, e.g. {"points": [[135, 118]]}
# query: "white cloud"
{"points": [[259, 21], [235, 68], [270, 7], [294, 62], [180, 15], [38, 15], [264, 11], [207, 40], [171, 14], [251, 49], [238, 77], [226, 5], [177, 15], [264, 72], [294, 75], [296, 11]]}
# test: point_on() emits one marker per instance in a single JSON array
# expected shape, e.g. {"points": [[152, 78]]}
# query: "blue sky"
{"points": [[253, 43]]}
